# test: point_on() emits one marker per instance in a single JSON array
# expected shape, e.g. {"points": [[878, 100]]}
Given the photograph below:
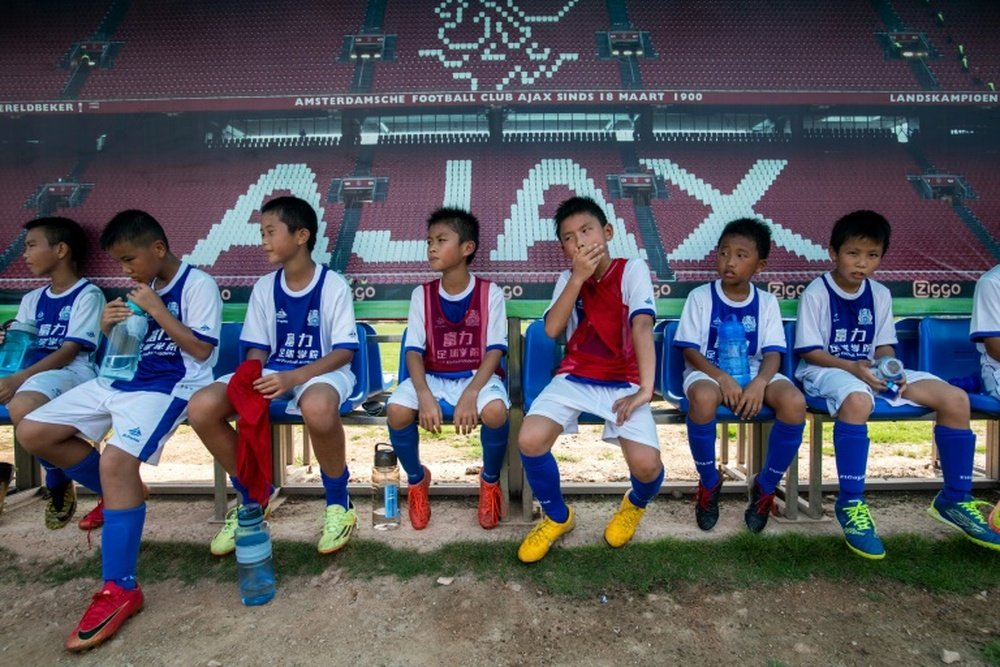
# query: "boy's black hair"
{"points": [[63, 230], [575, 205], [133, 226], [861, 224], [461, 222], [752, 229], [296, 214]]}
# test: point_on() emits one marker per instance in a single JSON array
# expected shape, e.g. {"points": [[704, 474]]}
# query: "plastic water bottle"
{"points": [[19, 339], [253, 556], [385, 488], [121, 358], [732, 352], [890, 370]]}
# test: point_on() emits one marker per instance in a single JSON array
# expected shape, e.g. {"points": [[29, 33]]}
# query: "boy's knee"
{"points": [[31, 435], [399, 417], [18, 409], [494, 414], [954, 404], [316, 404], [792, 408], [704, 399], [647, 468], [531, 443], [856, 408]]}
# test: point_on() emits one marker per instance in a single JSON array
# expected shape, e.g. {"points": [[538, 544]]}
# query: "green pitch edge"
{"points": [[397, 310]]}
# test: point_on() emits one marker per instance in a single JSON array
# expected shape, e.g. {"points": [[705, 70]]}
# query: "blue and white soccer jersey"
{"points": [[707, 306], [848, 326], [449, 388], [296, 328], [986, 324], [565, 398], [72, 316], [143, 412]]}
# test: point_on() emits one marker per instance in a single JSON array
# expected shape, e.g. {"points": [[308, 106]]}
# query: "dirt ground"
{"points": [[337, 619]]}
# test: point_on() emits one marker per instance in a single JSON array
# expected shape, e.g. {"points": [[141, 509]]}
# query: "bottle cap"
{"points": [[250, 514], [385, 456], [29, 328], [135, 308]]}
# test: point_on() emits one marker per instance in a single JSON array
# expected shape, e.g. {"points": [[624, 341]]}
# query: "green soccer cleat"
{"points": [[859, 529], [60, 505], [967, 516], [338, 526]]}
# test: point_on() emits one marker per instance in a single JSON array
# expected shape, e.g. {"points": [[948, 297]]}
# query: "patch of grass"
{"points": [[991, 653], [936, 566], [909, 452], [917, 431], [567, 458]]}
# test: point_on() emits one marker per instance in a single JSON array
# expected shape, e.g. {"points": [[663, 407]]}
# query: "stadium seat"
{"points": [[749, 458], [947, 351]]}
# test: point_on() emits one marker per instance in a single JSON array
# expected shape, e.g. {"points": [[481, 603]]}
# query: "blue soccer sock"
{"points": [[245, 498], [701, 438], [643, 492], [850, 449], [240, 489], [120, 544], [782, 448], [87, 472], [494, 450], [54, 476], [957, 452], [542, 473], [405, 441], [336, 488]]}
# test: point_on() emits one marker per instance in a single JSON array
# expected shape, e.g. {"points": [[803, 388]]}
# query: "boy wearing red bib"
{"points": [[605, 307], [456, 336]]}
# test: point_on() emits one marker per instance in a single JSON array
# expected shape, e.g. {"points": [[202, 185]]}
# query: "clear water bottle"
{"points": [[890, 370], [385, 488], [19, 339], [253, 556], [733, 350], [121, 357]]}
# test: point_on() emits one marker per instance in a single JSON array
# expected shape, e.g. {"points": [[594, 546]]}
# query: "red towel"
{"points": [[253, 448]]}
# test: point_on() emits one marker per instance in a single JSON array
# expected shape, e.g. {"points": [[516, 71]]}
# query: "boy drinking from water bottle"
{"points": [[66, 314], [177, 355], [845, 323], [741, 252]]}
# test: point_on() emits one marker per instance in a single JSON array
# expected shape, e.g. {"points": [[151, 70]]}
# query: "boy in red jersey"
{"points": [[456, 336], [606, 308]]}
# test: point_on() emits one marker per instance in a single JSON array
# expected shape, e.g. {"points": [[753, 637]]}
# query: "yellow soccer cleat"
{"points": [[538, 542], [622, 526]]}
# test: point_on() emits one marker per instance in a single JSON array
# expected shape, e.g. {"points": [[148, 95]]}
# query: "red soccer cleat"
{"points": [[491, 505], [110, 608], [418, 503]]}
